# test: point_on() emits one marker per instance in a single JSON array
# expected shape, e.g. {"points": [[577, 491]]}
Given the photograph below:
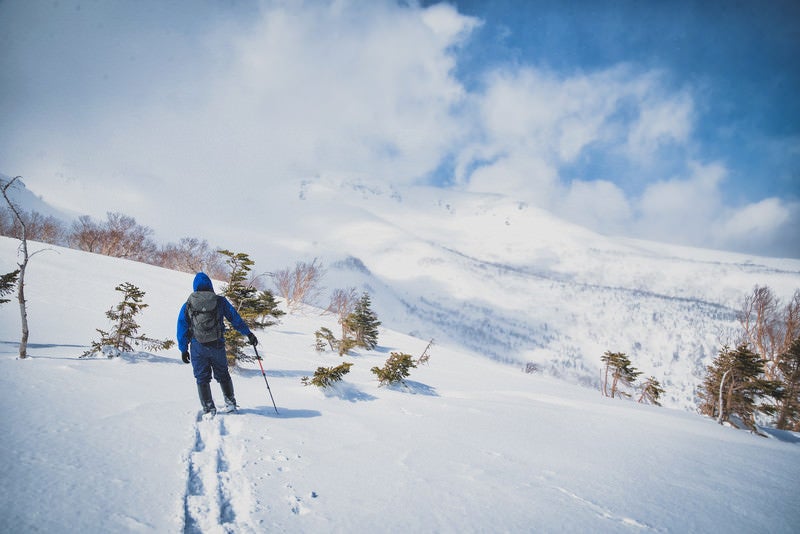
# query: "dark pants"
{"points": [[210, 359]]}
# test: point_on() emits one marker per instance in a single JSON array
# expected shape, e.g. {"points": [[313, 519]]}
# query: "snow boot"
{"points": [[206, 400], [227, 392]]}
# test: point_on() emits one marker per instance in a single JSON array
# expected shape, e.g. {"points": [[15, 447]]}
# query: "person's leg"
{"points": [[219, 363], [206, 400], [227, 392], [201, 366]]}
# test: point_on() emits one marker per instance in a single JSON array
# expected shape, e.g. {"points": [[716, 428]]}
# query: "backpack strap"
{"points": [[187, 311]]}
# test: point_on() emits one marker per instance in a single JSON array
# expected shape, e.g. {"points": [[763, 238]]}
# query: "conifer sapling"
{"points": [[124, 335]]}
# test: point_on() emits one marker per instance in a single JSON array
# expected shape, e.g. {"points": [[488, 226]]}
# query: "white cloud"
{"points": [[518, 175], [682, 209], [755, 221], [528, 109], [691, 211], [661, 121], [553, 119], [598, 205], [448, 23], [769, 226], [121, 107], [296, 89]]}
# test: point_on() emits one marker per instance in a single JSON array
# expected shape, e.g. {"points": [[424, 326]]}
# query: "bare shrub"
{"points": [[47, 229], [192, 255], [426, 354], [120, 236], [768, 326], [300, 285], [343, 303], [85, 234]]}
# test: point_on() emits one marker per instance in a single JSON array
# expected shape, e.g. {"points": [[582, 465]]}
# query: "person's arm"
{"points": [[234, 318], [183, 330], [237, 322]]}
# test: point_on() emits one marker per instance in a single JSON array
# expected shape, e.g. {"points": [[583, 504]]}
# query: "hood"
{"points": [[202, 282]]}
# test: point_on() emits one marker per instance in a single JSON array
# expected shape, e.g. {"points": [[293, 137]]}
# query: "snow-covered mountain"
{"points": [[512, 282], [506, 279], [28, 201], [471, 445]]}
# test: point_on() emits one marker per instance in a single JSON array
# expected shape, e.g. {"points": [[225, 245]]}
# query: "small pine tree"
{"points": [[651, 391], [327, 376], [363, 324], [345, 345], [124, 332], [622, 373], [7, 283], [396, 369], [257, 308], [324, 336]]}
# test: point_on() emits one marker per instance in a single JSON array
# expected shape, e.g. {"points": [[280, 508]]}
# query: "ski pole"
{"points": [[265, 379]]}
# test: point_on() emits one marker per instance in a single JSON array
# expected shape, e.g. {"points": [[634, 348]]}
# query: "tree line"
{"points": [[754, 379], [119, 235]]}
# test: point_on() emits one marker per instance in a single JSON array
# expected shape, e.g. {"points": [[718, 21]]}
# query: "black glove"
{"points": [[252, 338], [185, 356]]}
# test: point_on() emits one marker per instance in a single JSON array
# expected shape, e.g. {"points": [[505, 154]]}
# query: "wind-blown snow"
{"points": [[471, 445]]}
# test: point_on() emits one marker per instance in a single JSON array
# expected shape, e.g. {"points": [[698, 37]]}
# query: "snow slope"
{"points": [[512, 282], [472, 445], [502, 278]]}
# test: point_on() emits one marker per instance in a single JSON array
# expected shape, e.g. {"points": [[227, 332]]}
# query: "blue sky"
{"points": [[741, 60], [667, 120]]}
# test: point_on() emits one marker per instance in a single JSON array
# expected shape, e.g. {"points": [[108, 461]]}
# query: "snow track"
{"points": [[218, 496]]}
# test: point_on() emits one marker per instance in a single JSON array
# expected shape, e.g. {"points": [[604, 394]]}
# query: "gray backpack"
{"points": [[205, 316]]}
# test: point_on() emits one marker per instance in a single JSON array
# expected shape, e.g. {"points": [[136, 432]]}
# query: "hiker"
{"points": [[200, 322]]}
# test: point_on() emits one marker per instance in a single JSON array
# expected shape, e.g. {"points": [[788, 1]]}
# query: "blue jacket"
{"points": [[203, 283]]}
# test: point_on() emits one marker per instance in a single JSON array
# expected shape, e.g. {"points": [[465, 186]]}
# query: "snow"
{"points": [[471, 445]]}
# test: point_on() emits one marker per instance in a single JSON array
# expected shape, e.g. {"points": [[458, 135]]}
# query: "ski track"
{"points": [[604, 513], [218, 495]]}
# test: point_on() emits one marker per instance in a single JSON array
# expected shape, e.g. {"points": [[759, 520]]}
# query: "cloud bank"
{"points": [[146, 108]]}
